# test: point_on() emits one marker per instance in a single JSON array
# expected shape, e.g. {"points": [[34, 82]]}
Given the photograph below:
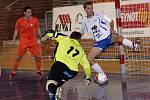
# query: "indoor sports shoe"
{"points": [[12, 76], [51, 96], [137, 44], [39, 76], [58, 93]]}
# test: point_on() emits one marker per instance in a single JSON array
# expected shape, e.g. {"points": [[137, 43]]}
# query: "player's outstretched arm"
{"points": [[47, 34], [86, 66], [52, 34], [15, 36]]}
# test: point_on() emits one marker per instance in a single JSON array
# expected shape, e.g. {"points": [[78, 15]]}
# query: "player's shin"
{"points": [[15, 66], [13, 73], [38, 64]]}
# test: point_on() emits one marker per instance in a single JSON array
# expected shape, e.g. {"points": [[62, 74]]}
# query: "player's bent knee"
{"points": [[90, 58], [117, 38], [51, 86]]}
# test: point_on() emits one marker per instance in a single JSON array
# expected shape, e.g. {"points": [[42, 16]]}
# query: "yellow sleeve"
{"points": [[49, 35], [57, 36], [86, 66]]}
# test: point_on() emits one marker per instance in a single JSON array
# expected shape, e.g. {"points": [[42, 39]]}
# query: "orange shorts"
{"points": [[34, 49]]}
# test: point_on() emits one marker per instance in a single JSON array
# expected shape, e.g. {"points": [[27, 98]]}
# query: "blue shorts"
{"points": [[104, 44]]}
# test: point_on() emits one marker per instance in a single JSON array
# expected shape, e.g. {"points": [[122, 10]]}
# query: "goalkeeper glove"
{"points": [[87, 81], [47, 34]]}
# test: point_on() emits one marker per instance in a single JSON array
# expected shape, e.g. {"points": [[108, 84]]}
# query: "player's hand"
{"points": [[87, 81], [12, 42], [44, 38], [112, 31]]}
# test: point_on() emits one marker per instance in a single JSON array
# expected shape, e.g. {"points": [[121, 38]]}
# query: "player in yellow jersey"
{"points": [[68, 56]]}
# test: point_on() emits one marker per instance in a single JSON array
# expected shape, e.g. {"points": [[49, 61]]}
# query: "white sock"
{"points": [[128, 43], [97, 68]]}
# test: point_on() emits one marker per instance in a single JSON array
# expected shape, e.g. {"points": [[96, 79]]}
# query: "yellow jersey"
{"points": [[71, 53]]}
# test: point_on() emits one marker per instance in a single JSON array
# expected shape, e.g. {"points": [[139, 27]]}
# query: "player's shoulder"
{"points": [[84, 19], [34, 18], [20, 19], [63, 38], [78, 45], [98, 13]]}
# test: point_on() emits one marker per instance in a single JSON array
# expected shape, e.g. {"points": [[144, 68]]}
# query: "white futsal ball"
{"points": [[101, 78]]}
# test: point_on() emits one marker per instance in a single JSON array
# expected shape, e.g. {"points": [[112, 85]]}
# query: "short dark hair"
{"points": [[75, 35], [87, 3], [26, 7]]}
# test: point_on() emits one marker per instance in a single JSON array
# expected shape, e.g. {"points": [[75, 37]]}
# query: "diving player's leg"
{"points": [[52, 81], [56, 78], [55, 81]]}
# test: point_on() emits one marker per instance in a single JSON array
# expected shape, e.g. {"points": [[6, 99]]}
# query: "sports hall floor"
{"points": [[25, 87]]}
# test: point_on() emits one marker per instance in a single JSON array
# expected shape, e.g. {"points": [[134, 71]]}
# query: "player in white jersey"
{"points": [[97, 25], [102, 31]]}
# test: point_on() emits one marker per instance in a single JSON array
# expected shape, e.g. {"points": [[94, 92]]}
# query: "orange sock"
{"points": [[38, 65], [15, 67]]}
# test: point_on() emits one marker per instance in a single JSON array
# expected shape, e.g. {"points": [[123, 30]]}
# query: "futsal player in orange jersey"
{"points": [[27, 27]]}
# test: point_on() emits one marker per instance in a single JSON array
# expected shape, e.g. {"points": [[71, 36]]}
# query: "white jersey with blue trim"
{"points": [[97, 26]]}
